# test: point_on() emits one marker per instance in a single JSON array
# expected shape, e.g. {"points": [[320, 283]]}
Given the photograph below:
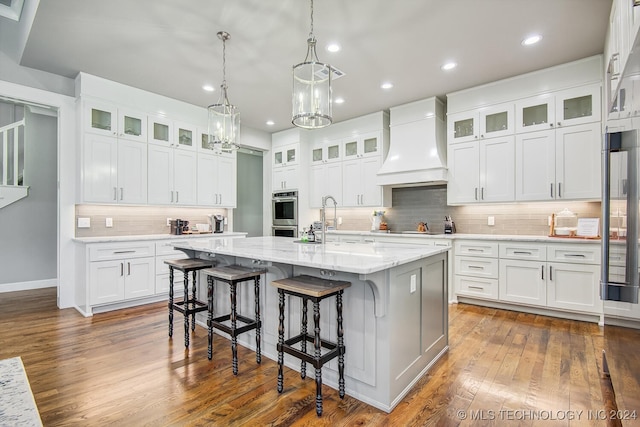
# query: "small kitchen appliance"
{"points": [[178, 226], [217, 223], [449, 225]]}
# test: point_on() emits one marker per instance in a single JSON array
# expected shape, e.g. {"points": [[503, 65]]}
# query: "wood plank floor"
{"points": [[120, 368]]}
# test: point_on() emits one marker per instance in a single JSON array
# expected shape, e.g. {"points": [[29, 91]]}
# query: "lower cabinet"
{"points": [[476, 269]]}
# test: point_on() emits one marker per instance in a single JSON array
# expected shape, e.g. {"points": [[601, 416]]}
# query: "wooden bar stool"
{"points": [[314, 289], [232, 275], [189, 305]]}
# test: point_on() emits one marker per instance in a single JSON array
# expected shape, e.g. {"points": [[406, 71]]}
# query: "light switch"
{"points": [[84, 222], [109, 222], [413, 283]]}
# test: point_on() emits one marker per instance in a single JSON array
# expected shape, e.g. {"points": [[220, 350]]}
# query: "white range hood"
{"points": [[417, 150]]}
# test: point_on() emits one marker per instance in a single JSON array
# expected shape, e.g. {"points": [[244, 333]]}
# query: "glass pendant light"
{"points": [[312, 89], [224, 119]]}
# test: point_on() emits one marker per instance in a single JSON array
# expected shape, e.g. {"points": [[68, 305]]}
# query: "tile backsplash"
{"points": [[138, 220], [429, 204]]}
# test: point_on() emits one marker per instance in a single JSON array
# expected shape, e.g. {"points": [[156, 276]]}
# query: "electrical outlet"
{"points": [[339, 220], [109, 222], [549, 221], [413, 283], [168, 222], [84, 222], [491, 220]]}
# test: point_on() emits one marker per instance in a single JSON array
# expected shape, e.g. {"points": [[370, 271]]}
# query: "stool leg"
{"points": [[317, 355], [341, 348], [280, 341], [210, 316], [303, 332], [170, 301], [258, 323], [234, 321], [186, 306], [195, 289]]}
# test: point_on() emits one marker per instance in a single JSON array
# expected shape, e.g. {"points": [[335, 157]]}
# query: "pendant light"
{"points": [[224, 119], [312, 89]]}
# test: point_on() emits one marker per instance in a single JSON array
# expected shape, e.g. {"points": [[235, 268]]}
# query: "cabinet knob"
{"points": [[559, 124], [550, 124]]}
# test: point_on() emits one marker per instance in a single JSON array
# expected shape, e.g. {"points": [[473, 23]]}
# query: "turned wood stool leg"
{"points": [[234, 322], [258, 323], [195, 291], [210, 316], [303, 332], [280, 340], [186, 305], [317, 354], [340, 345], [170, 301]]}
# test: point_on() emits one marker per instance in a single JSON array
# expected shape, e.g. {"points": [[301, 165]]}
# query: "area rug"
{"points": [[17, 405]]}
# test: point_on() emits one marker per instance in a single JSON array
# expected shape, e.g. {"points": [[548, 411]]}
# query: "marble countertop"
{"points": [[356, 258], [496, 237], [140, 237]]}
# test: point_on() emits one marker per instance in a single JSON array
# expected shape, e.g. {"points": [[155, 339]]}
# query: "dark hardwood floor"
{"points": [[120, 368]]}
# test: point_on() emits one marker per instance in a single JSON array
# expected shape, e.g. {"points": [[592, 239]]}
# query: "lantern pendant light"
{"points": [[224, 119], [311, 89]]}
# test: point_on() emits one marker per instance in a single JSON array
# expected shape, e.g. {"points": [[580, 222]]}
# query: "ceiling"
{"points": [[171, 47]]}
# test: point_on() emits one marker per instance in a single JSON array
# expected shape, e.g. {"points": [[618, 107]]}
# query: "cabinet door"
{"points": [[522, 282], [132, 125], [184, 177], [574, 287], [370, 145], [207, 187], [100, 169], [497, 121], [317, 184], [132, 172], [101, 119], [464, 173], [578, 162], [184, 136], [578, 106], [535, 166], [139, 277], [227, 180], [462, 127], [106, 281], [536, 113], [160, 131], [497, 170], [371, 194], [160, 188], [278, 179], [351, 185]]}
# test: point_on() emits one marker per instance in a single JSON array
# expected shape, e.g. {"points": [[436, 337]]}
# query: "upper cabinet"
{"points": [[368, 145], [326, 152], [489, 122], [109, 120], [285, 167]]}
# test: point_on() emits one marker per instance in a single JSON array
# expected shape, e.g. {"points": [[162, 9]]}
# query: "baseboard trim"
{"points": [[25, 286]]}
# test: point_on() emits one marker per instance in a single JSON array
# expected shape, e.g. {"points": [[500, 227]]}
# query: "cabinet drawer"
{"points": [[577, 254], [477, 267], [477, 248], [519, 250], [475, 287], [442, 243], [111, 251]]}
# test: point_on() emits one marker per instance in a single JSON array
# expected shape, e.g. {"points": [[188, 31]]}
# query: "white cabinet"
{"points": [[325, 178], [523, 282], [574, 287], [359, 146], [482, 171], [559, 164], [358, 184], [217, 181], [172, 176], [109, 120], [326, 152], [120, 272], [285, 167], [476, 269], [488, 122], [114, 170], [167, 133]]}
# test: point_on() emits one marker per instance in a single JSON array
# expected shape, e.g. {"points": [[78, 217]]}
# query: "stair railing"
{"points": [[6, 161]]}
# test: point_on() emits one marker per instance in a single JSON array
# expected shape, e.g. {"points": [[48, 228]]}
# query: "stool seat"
{"points": [[189, 305], [315, 289], [232, 275]]}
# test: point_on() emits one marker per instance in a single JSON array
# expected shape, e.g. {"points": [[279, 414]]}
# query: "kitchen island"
{"points": [[395, 312]]}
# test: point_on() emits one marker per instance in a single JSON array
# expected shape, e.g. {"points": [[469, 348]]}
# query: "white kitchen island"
{"points": [[395, 312]]}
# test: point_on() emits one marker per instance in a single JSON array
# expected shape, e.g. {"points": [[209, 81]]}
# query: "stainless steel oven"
{"points": [[284, 208], [285, 231]]}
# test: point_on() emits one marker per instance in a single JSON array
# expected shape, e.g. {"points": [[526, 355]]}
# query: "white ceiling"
{"points": [[171, 48]]}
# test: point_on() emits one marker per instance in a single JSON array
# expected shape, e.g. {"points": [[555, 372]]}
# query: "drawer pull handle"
{"points": [[477, 267], [575, 255], [128, 269], [522, 253], [480, 288], [124, 252], [475, 250], [121, 269], [550, 273], [542, 271]]}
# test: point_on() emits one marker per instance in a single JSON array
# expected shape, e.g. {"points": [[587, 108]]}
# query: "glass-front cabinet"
{"points": [[496, 121], [535, 113], [160, 131], [366, 145], [578, 105], [325, 152], [105, 119], [463, 127], [285, 155], [184, 136]]}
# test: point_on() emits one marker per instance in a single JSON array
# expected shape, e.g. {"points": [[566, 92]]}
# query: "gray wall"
{"points": [[248, 216], [28, 228]]}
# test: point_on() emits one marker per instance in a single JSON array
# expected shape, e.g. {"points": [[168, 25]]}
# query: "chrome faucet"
{"points": [[323, 218]]}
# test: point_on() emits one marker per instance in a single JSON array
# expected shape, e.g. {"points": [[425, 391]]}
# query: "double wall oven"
{"points": [[284, 211]]}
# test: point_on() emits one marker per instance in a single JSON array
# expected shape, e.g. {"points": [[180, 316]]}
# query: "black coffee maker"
{"points": [[217, 224], [178, 226]]}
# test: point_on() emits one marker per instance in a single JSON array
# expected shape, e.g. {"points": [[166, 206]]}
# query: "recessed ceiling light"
{"points": [[386, 85], [449, 66], [333, 47], [339, 100], [208, 88], [270, 123], [533, 39]]}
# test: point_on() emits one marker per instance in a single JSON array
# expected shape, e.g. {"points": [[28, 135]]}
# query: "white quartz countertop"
{"points": [[139, 237], [461, 236], [356, 258]]}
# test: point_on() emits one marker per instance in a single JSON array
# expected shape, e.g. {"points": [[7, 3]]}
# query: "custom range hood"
{"points": [[417, 150]]}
